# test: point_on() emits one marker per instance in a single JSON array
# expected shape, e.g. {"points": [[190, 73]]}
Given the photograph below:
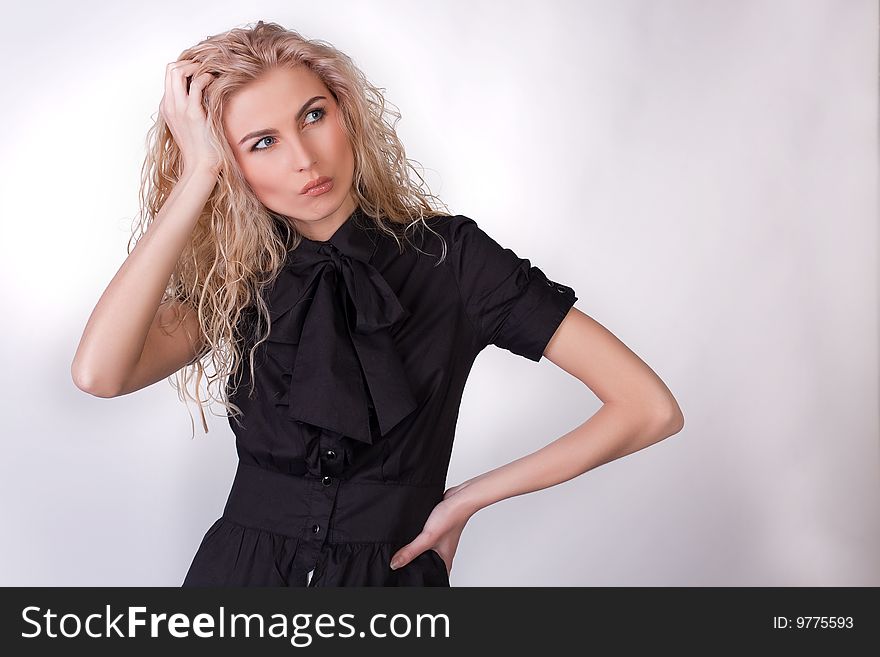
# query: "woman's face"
{"points": [[285, 130]]}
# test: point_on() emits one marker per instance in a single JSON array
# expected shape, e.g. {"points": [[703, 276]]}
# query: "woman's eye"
{"points": [[317, 109], [260, 142], [322, 113]]}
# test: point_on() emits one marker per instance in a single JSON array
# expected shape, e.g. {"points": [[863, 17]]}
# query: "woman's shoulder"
{"points": [[425, 236], [446, 224], [452, 229]]}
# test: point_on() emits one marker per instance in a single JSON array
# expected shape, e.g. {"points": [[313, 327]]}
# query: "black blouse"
{"points": [[345, 446]]}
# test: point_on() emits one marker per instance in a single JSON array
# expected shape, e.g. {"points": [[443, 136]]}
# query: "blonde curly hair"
{"points": [[236, 248]]}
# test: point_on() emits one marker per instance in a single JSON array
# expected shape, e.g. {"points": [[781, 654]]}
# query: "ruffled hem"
{"points": [[232, 554]]}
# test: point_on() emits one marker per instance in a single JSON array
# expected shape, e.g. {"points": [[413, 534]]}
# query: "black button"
{"points": [[326, 481], [316, 528], [550, 283], [330, 454], [560, 289]]}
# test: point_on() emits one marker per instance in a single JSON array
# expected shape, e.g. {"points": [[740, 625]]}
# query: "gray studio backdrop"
{"points": [[713, 203]]}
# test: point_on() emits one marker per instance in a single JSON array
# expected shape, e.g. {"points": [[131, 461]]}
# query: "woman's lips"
{"points": [[318, 187]]}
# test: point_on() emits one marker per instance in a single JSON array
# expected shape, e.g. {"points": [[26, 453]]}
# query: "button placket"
{"points": [[322, 499], [315, 532], [331, 455]]}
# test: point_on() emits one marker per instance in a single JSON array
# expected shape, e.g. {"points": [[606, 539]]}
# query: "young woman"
{"points": [[282, 236]]}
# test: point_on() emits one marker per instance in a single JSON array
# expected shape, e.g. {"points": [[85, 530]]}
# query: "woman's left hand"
{"points": [[441, 532]]}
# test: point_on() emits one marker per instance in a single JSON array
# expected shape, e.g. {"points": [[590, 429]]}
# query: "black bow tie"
{"points": [[330, 300]]}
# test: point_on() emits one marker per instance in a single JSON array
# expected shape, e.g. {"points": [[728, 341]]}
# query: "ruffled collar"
{"points": [[346, 376]]}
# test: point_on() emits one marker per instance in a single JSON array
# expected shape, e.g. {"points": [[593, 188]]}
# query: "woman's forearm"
{"points": [[615, 430], [114, 336]]}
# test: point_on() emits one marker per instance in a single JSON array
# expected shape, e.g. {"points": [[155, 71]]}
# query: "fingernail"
{"points": [[395, 564]]}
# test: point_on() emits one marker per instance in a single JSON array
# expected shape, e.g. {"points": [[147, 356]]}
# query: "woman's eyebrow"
{"points": [[266, 131]]}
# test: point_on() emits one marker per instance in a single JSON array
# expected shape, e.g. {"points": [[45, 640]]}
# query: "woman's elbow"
{"points": [[90, 384], [671, 420]]}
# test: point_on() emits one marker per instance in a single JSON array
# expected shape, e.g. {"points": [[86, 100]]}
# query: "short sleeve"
{"points": [[510, 303]]}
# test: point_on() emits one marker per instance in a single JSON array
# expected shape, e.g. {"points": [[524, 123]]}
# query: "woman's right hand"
{"points": [[185, 116]]}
